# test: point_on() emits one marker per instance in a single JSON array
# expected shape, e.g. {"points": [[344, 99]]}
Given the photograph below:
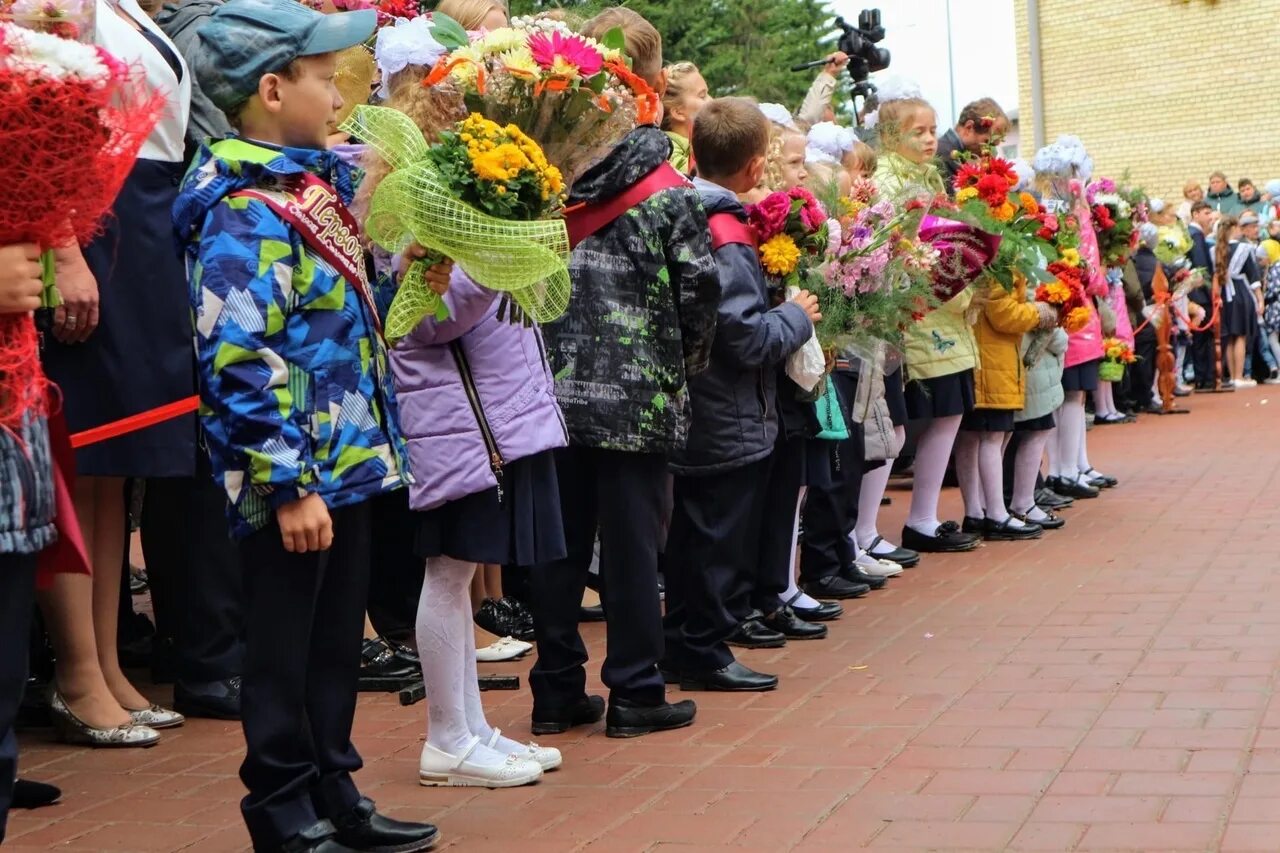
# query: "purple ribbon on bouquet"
{"points": [[963, 252]]}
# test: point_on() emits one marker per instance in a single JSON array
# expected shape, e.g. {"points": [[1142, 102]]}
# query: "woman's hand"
{"points": [[21, 283], [438, 274], [76, 318]]}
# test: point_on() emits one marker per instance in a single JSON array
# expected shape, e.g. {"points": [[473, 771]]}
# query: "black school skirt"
{"points": [[987, 420], [1082, 377], [941, 396]]}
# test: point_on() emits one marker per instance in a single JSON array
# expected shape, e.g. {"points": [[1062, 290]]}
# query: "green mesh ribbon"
{"points": [[414, 203]]}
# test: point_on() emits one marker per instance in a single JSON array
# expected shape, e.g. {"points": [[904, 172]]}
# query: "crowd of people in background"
{"points": [[384, 502]]}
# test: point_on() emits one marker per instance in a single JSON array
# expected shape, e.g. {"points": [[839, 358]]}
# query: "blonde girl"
{"points": [[686, 95], [941, 353], [476, 14]]}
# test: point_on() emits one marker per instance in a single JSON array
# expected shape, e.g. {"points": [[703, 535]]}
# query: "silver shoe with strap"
{"points": [[156, 717], [71, 729]]}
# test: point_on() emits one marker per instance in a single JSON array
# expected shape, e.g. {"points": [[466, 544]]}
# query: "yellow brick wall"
{"points": [[1170, 90]]}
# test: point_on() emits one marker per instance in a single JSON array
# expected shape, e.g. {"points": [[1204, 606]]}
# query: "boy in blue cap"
{"points": [[298, 410]]}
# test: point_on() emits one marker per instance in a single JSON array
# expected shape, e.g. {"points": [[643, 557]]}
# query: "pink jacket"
{"points": [[1086, 344]]}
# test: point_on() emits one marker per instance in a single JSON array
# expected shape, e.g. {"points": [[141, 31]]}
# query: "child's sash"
{"points": [[585, 220], [727, 228], [327, 227]]}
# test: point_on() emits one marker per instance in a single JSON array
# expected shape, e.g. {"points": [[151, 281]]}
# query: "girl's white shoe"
{"points": [[547, 757], [505, 649], [877, 567], [439, 768]]}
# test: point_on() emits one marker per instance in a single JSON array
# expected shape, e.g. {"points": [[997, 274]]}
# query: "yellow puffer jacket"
{"points": [[1000, 382]]}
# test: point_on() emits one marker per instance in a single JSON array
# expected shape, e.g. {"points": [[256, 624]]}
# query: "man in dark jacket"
{"points": [[639, 325], [979, 123], [1220, 197], [721, 474], [1202, 216]]}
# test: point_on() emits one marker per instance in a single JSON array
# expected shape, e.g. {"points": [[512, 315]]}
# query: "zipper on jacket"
{"points": [[546, 368], [473, 396]]}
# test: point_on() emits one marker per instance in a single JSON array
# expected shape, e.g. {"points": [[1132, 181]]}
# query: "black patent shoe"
{"points": [[824, 612], [1099, 481], [521, 618], [1048, 499], [854, 574], [1071, 488], [28, 794], [785, 621], [1049, 522], [363, 828], [1003, 531], [835, 587], [320, 837], [734, 678], [496, 619], [591, 613], [904, 557], [752, 634], [587, 710], [947, 539], [382, 670], [973, 525], [631, 719]]}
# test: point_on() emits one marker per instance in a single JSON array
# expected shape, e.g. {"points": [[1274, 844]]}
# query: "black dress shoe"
{"points": [[216, 700], [972, 525], [752, 634], [382, 669], [34, 795], [904, 557], [1071, 488], [947, 539], [1100, 481], [594, 613], [734, 678], [521, 618], [1047, 498], [854, 574], [785, 621], [670, 672], [587, 710], [320, 837], [835, 587], [363, 828], [824, 612], [631, 719], [1003, 531], [1050, 522]]}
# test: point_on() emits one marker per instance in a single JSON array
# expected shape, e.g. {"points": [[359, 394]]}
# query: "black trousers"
{"points": [[396, 572], [1140, 377], [17, 598], [714, 533], [194, 570], [765, 577], [304, 626], [830, 514], [1202, 358], [619, 496]]}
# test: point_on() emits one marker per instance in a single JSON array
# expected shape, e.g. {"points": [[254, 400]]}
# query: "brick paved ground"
{"points": [[1110, 687]]}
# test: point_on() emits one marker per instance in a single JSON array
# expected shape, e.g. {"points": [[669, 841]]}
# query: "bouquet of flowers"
{"points": [[574, 96], [1172, 244], [1116, 355], [880, 276], [1116, 217], [984, 193], [68, 19], [1066, 290], [484, 195], [73, 120]]}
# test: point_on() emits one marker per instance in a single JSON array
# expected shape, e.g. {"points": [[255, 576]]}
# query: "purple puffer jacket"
{"points": [[469, 386]]}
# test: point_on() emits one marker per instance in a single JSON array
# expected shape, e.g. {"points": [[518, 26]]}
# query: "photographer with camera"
{"points": [[817, 103], [980, 122]]}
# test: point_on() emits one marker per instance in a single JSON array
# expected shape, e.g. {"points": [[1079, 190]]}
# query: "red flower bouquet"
{"points": [[73, 122], [986, 199]]}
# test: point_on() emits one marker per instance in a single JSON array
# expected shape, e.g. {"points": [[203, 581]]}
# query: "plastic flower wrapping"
{"points": [[484, 195], [879, 275], [74, 118], [1172, 244], [1117, 214], [986, 198], [68, 19], [576, 97]]}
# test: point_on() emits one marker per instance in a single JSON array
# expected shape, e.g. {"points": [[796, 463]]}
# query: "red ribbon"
{"points": [[133, 423]]}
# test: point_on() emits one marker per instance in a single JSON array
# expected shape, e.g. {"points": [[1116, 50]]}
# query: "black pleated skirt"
{"points": [[1039, 424], [940, 396], [522, 528], [987, 420], [1081, 377]]}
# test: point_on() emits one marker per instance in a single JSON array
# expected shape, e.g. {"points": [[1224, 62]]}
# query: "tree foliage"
{"points": [[742, 47]]}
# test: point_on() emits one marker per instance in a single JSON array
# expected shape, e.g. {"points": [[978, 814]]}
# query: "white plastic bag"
{"points": [[807, 365]]}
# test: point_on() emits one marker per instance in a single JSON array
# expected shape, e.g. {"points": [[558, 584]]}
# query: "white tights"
{"points": [[447, 647], [870, 494], [793, 593], [980, 470], [932, 452], [1104, 400], [1026, 467]]}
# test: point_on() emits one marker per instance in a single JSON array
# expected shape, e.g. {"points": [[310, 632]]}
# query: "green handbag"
{"points": [[831, 423]]}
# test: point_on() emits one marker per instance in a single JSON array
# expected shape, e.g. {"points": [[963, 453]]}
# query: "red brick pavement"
{"points": [[1109, 687]]}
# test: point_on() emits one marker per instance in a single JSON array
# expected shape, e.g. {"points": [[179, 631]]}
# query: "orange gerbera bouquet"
{"points": [[575, 96], [987, 199], [1065, 291]]}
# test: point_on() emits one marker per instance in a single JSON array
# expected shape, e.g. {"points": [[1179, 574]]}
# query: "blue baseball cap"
{"points": [[245, 39]]}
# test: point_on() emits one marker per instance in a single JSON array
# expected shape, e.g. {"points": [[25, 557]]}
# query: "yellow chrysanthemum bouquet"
{"points": [[484, 195]]}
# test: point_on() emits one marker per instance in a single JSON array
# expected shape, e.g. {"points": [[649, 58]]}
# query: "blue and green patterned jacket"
{"points": [[294, 388]]}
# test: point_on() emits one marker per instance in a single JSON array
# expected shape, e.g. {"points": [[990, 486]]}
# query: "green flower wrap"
{"points": [[414, 203]]}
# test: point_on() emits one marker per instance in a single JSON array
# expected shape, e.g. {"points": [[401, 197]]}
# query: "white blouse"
{"points": [[168, 140]]}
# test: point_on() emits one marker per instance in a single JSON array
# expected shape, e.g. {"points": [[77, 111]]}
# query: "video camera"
{"points": [[860, 43]]}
